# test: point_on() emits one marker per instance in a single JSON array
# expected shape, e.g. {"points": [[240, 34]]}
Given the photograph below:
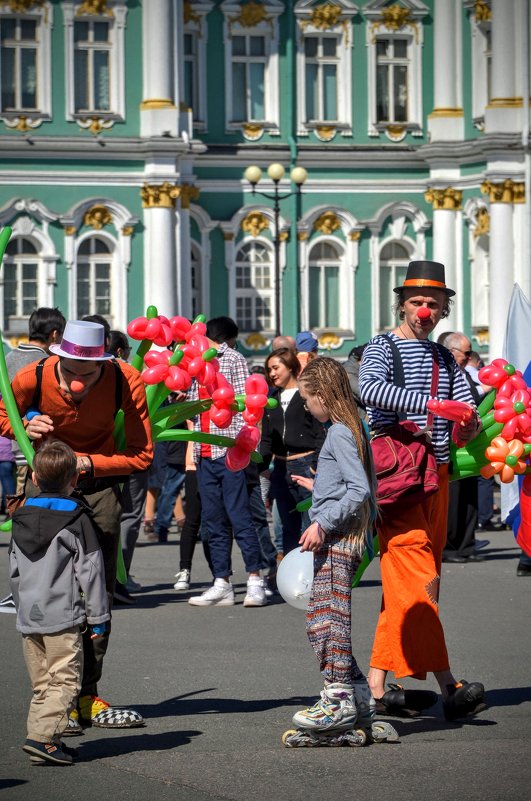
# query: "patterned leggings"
{"points": [[328, 620]]}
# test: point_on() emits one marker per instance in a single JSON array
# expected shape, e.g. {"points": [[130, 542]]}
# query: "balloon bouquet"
{"points": [[502, 448], [172, 354]]}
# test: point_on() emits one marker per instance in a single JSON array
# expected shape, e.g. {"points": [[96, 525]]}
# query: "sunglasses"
{"points": [[464, 352]]}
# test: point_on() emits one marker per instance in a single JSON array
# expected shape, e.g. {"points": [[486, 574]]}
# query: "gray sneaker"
{"points": [[256, 595], [221, 593], [183, 580]]}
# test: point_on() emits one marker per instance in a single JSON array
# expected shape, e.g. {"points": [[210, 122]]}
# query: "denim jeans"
{"points": [[173, 481], [7, 479], [287, 494], [258, 513], [225, 507]]}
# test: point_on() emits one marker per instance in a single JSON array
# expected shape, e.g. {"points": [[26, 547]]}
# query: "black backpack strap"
{"points": [[35, 401], [398, 371], [448, 360], [118, 387]]}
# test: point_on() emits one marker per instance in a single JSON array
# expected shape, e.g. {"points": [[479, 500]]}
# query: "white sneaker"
{"points": [[255, 592], [221, 593], [183, 580], [267, 589]]}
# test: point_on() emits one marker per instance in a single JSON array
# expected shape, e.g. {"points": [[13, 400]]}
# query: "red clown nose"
{"points": [[423, 313], [77, 386]]}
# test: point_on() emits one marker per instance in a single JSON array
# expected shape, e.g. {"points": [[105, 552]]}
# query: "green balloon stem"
{"points": [[511, 460], [510, 369], [487, 403], [176, 356], [5, 384], [138, 359], [152, 312], [365, 562], [6, 525], [519, 407], [209, 354], [199, 319]]}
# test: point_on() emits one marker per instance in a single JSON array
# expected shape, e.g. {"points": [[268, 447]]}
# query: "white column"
{"points": [[501, 274], [160, 286], [158, 112], [504, 112], [446, 249], [446, 122], [184, 270]]}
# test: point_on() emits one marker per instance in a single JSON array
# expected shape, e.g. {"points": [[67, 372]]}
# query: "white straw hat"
{"points": [[84, 341]]}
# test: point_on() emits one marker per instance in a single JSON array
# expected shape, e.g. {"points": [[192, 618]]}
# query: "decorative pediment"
{"points": [[32, 208], [398, 13], [251, 13], [97, 212]]}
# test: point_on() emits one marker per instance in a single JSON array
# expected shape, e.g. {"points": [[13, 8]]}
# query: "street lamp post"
{"points": [[276, 172]]}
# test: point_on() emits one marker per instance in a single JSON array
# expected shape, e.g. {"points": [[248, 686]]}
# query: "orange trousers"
{"points": [[409, 638]]}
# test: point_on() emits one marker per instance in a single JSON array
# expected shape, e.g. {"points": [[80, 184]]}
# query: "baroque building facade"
{"points": [[126, 127]]}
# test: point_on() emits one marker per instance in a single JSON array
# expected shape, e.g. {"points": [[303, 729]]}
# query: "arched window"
{"points": [[394, 258], [94, 278], [20, 281], [254, 287], [324, 305]]}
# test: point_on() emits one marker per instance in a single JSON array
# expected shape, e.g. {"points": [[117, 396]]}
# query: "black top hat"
{"points": [[425, 274]]}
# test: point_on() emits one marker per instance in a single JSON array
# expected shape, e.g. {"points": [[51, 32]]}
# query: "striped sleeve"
{"points": [[376, 382]]}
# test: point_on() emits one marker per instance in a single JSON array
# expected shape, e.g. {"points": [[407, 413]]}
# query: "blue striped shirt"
{"points": [[384, 399]]}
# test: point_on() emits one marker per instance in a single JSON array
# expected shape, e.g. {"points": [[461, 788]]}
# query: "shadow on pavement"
{"points": [[117, 746], [187, 705]]}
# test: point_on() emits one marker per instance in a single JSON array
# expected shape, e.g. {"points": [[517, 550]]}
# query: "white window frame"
{"points": [[323, 264], [268, 28], [392, 296], [343, 34], [34, 117], [18, 262], [196, 27], [93, 259], [480, 32], [413, 31], [196, 270], [253, 292], [116, 60]]}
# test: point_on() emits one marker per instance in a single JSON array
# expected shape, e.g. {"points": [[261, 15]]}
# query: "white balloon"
{"points": [[295, 578]]}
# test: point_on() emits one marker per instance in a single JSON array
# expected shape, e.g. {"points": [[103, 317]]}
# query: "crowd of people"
{"points": [[72, 378]]}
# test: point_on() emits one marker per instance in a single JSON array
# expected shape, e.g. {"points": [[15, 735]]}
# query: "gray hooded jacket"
{"points": [[54, 557]]}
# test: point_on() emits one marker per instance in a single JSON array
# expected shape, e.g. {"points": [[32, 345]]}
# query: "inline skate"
{"points": [[341, 716]]}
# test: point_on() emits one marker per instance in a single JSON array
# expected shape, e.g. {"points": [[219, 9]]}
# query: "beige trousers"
{"points": [[55, 663]]}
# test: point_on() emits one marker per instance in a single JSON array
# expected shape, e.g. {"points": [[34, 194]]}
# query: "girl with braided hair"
{"points": [[343, 508]]}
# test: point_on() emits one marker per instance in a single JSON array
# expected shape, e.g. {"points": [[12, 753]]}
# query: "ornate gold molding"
{"points": [[325, 132], [283, 236], [253, 130], [302, 236], [97, 217], [159, 196], [96, 8], [448, 199], [128, 230], [228, 236], [482, 223], [329, 340], [254, 223], [251, 14], [189, 192], [156, 103], [394, 18], [395, 132], [505, 102], [327, 223], [70, 230], [507, 191], [256, 341], [189, 14], [447, 112], [326, 16], [23, 6], [355, 236], [482, 11]]}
